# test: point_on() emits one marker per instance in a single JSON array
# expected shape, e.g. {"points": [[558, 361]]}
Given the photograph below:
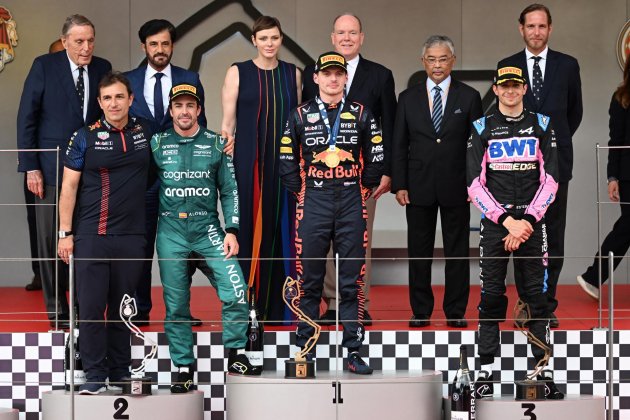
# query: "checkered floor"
{"points": [[31, 363]]}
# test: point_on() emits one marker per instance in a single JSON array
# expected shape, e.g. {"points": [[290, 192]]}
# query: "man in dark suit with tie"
{"points": [[372, 85], [432, 126], [151, 83], [556, 92], [59, 97]]}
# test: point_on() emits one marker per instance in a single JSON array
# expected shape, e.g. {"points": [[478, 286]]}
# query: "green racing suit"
{"points": [[194, 172]]}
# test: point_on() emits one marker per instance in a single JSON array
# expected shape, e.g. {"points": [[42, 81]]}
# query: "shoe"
{"points": [[551, 390], [35, 284], [63, 322], [592, 291], [357, 365], [195, 322], [111, 386], [367, 319], [239, 364], [419, 321], [92, 388], [457, 323], [484, 385], [141, 320], [328, 317], [185, 381], [553, 321]]}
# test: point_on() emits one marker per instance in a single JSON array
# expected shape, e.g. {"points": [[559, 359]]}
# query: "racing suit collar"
{"points": [[130, 122], [187, 139], [509, 119]]}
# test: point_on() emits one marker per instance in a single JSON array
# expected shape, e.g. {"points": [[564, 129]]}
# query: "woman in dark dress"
{"points": [[257, 97], [618, 173]]}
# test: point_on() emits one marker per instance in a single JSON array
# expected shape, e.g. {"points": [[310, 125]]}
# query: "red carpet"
{"points": [[22, 311]]}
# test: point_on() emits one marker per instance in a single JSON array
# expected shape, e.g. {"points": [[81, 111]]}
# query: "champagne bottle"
{"points": [[79, 374], [462, 390], [254, 346]]}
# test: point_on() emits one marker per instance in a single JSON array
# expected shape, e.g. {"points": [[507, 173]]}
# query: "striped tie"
{"points": [[437, 109]]}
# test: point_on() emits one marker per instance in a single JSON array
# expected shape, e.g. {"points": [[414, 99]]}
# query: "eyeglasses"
{"points": [[432, 61]]}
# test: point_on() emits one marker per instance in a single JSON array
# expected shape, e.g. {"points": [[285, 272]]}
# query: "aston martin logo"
{"points": [[8, 37]]}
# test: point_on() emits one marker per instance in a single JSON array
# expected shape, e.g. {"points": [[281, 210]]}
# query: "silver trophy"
{"points": [[138, 383]]}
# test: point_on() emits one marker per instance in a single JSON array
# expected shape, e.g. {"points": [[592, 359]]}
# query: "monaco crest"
{"points": [[8, 37]]}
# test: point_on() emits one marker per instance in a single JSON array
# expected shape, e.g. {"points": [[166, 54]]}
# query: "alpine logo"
{"points": [[529, 130], [354, 108]]}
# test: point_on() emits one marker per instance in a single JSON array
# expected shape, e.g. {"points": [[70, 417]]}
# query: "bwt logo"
{"points": [[513, 148]]}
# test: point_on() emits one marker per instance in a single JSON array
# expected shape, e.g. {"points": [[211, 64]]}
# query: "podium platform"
{"points": [[162, 405], [398, 395], [8, 414], [572, 407]]}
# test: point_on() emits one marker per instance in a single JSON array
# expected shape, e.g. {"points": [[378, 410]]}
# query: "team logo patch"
{"points": [[377, 139], [103, 135], [286, 150], [183, 215], [313, 117], [285, 140], [347, 116]]}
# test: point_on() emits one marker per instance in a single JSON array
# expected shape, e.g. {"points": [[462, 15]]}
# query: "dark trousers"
{"points": [[421, 223], [617, 241], [29, 199], [339, 216], [530, 264], [102, 281], [556, 219], [47, 250], [152, 204]]}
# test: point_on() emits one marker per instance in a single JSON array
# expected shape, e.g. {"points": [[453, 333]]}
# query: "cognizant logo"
{"points": [[178, 175], [187, 192]]}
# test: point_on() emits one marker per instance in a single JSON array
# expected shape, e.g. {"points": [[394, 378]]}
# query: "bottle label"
{"points": [[255, 357], [459, 415], [79, 377]]}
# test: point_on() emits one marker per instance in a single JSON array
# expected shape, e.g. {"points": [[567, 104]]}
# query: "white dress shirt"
{"points": [[444, 85], [149, 86], [351, 65], [86, 82], [530, 64]]}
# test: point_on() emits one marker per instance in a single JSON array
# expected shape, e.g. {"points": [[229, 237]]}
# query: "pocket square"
{"points": [[458, 111]]}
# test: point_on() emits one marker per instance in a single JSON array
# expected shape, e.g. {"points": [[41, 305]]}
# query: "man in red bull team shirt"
{"points": [[331, 156]]}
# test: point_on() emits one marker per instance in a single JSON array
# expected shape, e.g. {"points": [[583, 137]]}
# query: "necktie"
{"points": [[81, 88], [537, 80], [436, 116], [158, 104]]}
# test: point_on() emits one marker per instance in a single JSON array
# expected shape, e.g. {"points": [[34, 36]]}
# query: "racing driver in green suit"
{"points": [[194, 172]]}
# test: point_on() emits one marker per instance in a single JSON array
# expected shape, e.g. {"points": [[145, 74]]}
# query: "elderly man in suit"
{"points": [[432, 126], [556, 91], [372, 85], [58, 98], [151, 84]]}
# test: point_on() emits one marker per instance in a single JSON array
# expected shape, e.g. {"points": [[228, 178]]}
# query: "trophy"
{"points": [[530, 388], [138, 383], [299, 367]]}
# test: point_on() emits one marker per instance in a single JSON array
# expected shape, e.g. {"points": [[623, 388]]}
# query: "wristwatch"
{"points": [[64, 233]]}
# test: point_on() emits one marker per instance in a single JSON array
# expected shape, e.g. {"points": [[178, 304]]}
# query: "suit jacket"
{"points": [[139, 107], [619, 124], [50, 111], [561, 100], [372, 86], [431, 166]]}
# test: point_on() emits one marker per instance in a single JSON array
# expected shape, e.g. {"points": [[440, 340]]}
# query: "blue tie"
{"points": [[436, 116], [158, 104]]}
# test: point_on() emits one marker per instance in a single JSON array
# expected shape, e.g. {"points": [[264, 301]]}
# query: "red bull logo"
{"points": [[332, 158]]}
